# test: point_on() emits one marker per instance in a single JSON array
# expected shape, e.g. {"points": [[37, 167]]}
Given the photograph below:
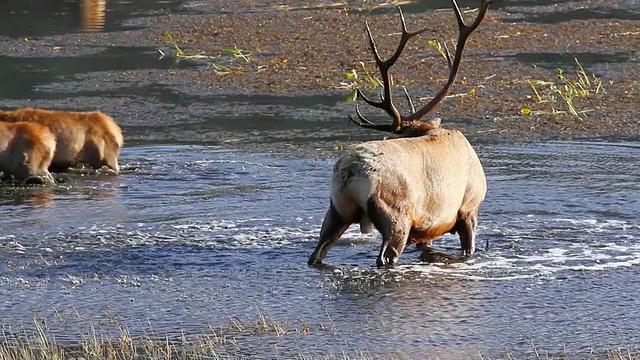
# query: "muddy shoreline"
{"points": [[262, 48]]}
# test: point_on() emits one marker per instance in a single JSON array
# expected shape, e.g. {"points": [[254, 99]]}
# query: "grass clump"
{"points": [[211, 53], [355, 81], [116, 342], [232, 341], [559, 92]]}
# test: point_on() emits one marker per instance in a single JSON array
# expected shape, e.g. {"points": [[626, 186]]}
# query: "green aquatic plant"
{"points": [[222, 69], [560, 91], [354, 81], [237, 53], [211, 53], [179, 53], [441, 48]]}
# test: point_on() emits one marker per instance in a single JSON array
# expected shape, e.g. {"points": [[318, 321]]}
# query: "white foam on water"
{"points": [[252, 233], [598, 245], [229, 161], [260, 233], [525, 247]]}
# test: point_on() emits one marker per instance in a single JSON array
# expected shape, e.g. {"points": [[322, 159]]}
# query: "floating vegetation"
{"points": [[441, 48], [560, 92], [211, 53], [355, 81]]}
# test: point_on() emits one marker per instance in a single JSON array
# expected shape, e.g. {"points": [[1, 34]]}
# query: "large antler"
{"points": [[401, 123]]}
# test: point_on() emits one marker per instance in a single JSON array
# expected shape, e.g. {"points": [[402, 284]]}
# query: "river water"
{"points": [[215, 213]]}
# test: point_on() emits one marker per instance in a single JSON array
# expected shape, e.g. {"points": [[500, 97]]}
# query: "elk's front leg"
{"points": [[394, 228], [466, 227], [393, 245]]}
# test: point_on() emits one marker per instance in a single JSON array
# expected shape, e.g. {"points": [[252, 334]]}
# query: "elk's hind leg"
{"points": [[394, 227], [333, 226], [111, 161], [466, 228], [112, 153], [93, 153]]}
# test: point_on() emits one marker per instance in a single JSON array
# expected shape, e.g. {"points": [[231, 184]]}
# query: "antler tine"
{"points": [[463, 34], [406, 94], [363, 122], [406, 36], [469, 28], [368, 124], [386, 103]]}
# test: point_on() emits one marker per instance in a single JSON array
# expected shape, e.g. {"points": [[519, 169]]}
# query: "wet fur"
{"points": [[411, 189], [91, 138], [26, 152]]}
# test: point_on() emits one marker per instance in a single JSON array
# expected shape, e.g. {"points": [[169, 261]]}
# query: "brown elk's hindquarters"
{"points": [[91, 138], [26, 152]]}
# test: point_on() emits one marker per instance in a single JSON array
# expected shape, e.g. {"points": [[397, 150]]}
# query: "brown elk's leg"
{"points": [[111, 161], [333, 227], [111, 152], [36, 166], [466, 228], [94, 152]]}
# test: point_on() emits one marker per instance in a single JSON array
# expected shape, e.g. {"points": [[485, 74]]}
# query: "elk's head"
{"points": [[411, 125]]}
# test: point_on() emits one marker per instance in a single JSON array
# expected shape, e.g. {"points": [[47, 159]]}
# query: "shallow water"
{"points": [[220, 202], [190, 234]]}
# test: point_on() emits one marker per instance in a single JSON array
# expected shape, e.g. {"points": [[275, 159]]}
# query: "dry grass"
{"points": [[39, 344], [215, 343]]}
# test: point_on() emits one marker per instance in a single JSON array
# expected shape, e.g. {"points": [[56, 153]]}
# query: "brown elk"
{"points": [[93, 13], [26, 151], [91, 138], [421, 184]]}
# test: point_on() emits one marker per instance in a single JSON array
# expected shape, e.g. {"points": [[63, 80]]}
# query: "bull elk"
{"points": [[26, 151], [91, 138], [424, 182]]}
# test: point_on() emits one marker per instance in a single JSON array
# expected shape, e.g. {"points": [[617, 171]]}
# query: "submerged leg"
{"points": [[112, 153], [466, 227], [333, 227], [111, 161], [394, 229], [393, 244], [93, 153]]}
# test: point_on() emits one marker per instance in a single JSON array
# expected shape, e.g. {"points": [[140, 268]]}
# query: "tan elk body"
{"points": [[26, 151], [91, 138], [420, 183]]}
